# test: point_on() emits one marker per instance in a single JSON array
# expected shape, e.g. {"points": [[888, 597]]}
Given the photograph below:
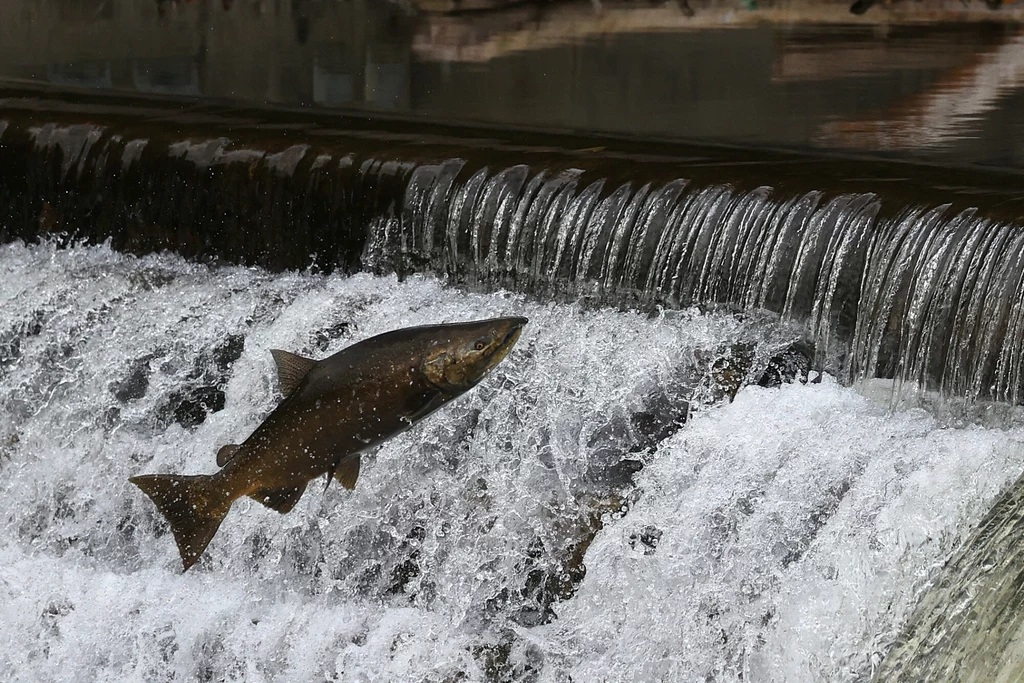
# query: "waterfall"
{"points": [[930, 296], [908, 277]]}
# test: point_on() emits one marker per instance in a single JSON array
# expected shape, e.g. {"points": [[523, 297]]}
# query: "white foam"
{"points": [[797, 525], [428, 571]]}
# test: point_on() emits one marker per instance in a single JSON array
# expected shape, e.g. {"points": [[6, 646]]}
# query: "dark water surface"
{"points": [[791, 75]]}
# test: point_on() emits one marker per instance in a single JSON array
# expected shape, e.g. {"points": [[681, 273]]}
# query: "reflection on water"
{"points": [[929, 81], [951, 107]]}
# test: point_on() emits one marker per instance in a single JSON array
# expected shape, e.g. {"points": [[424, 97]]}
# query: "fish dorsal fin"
{"points": [[290, 369], [282, 500], [227, 452], [347, 472]]}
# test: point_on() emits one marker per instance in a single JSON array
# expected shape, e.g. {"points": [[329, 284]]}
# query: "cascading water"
{"points": [[929, 296], [784, 536], [916, 283]]}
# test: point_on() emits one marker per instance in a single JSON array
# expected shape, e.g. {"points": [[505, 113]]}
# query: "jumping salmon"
{"points": [[333, 410]]}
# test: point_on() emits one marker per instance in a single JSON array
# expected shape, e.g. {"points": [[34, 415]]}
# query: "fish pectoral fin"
{"points": [[347, 472], [282, 500], [291, 368], [227, 452]]}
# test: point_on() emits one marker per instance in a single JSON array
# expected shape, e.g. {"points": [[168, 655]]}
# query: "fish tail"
{"points": [[193, 505]]}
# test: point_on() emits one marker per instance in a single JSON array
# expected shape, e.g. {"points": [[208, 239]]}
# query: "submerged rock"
{"points": [[190, 406], [134, 386]]}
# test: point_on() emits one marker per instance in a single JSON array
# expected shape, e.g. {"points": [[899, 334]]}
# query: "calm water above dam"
{"points": [[791, 74]]}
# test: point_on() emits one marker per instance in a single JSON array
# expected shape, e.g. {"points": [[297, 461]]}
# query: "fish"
{"points": [[333, 410]]}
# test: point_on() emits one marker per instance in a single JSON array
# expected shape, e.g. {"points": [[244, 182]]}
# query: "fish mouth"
{"points": [[505, 345], [512, 336]]}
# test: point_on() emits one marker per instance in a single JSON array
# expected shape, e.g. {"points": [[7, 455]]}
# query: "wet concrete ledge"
{"points": [[287, 188], [969, 624]]}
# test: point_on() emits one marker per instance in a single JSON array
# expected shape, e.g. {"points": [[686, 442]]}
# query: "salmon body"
{"points": [[333, 410]]}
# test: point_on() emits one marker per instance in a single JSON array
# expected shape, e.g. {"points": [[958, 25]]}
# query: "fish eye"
{"points": [[479, 346]]}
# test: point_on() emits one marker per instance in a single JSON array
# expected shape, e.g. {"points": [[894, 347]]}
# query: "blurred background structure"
{"points": [[931, 79]]}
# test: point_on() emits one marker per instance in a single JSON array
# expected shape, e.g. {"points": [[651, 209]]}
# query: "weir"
{"points": [[899, 271]]}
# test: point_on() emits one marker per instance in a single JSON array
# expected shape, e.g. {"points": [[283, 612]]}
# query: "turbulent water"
{"points": [[595, 510]]}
